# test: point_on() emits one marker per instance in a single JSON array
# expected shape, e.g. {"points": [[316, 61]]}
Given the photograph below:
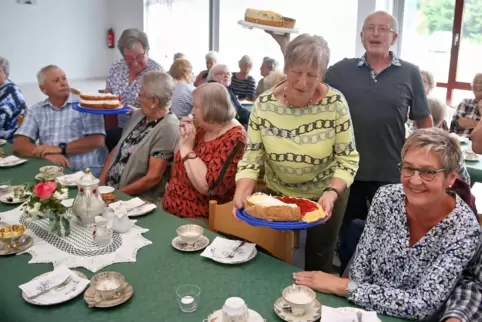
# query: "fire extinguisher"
{"points": [[110, 38]]}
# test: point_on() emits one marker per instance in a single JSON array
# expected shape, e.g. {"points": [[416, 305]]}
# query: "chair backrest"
{"points": [[279, 243]]}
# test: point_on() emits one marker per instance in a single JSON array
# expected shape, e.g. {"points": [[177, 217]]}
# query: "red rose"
{"points": [[45, 190]]}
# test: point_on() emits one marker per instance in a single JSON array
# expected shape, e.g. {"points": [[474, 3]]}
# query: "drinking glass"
{"points": [[188, 297], [4, 186]]}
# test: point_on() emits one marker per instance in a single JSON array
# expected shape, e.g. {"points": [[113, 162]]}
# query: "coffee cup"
{"points": [[235, 310]]}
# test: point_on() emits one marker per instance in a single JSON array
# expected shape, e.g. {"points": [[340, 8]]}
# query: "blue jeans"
{"points": [[349, 241]]}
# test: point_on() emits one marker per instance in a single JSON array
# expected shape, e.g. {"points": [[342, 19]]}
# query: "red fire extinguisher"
{"points": [[110, 38]]}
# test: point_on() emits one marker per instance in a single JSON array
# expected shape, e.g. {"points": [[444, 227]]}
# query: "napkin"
{"points": [[221, 247], [127, 206], [46, 282], [346, 315], [69, 179], [9, 160]]}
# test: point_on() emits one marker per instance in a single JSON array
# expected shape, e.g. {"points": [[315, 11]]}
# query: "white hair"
{"points": [[394, 22], [270, 63], [214, 70], [475, 77], [160, 85], [308, 50], [212, 55], [4, 64], [43, 71], [246, 60]]}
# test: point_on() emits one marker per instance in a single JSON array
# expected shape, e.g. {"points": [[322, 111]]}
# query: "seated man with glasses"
{"points": [[125, 75], [418, 238]]}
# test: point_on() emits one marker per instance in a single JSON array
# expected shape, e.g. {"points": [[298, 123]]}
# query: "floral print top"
{"points": [[410, 282], [127, 148]]}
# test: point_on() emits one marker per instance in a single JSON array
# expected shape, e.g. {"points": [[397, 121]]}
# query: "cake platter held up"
{"points": [[98, 103], [269, 21]]}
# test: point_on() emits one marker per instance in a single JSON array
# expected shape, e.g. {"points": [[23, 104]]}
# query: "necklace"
{"points": [[288, 103]]}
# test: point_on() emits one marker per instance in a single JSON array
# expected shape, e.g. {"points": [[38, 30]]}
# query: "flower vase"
{"points": [[59, 225]]}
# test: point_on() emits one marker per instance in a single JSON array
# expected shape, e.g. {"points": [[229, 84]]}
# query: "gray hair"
{"points": [[430, 78], [43, 71], [437, 141], [270, 63], [216, 104], [437, 109], [394, 22], [274, 78], [308, 50], [179, 55], [160, 85], [5, 66], [246, 60], [475, 77], [214, 70], [212, 55], [129, 39]]}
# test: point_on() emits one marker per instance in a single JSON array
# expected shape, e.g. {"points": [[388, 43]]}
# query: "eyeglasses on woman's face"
{"points": [[426, 174]]}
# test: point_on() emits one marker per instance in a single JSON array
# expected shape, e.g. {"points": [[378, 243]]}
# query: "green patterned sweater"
{"points": [[302, 149]]}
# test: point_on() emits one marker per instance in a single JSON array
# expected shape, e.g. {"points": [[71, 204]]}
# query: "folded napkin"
{"points": [[346, 315], [46, 282], [127, 206], [70, 178], [220, 248], [9, 160]]}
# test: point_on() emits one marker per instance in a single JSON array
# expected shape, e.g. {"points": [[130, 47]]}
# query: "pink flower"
{"points": [[45, 190]]}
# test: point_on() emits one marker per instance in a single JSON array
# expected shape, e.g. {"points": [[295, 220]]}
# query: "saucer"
{"points": [[253, 316], [311, 315], [201, 243], [9, 198], [5, 251], [93, 298]]}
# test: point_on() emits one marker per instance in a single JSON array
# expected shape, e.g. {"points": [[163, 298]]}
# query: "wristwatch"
{"points": [[352, 286], [190, 155], [334, 190], [63, 147]]}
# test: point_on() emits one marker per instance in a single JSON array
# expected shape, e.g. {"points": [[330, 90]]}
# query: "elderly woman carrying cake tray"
{"points": [[418, 238], [301, 132], [138, 166]]}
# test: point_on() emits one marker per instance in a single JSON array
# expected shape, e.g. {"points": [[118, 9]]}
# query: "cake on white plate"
{"points": [[105, 101], [268, 18]]}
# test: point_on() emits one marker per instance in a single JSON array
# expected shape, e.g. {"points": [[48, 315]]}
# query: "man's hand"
{"points": [[58, 159], [41, 151]]}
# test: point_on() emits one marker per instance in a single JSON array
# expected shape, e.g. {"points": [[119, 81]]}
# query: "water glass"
{"points": [[188, 297], [4, 186]]}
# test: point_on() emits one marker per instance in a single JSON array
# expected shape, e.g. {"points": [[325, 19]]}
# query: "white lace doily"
{"points": [[79, 248]]}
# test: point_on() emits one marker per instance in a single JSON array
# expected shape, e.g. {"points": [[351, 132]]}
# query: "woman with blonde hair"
{"points": [[181, 71]]}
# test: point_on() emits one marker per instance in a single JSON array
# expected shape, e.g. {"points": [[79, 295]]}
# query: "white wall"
{"points": [[68, 33]]}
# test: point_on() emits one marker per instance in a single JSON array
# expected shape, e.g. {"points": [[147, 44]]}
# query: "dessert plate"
{"points": [[121, 110]]}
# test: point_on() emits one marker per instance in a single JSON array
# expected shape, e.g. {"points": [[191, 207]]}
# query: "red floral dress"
{"points": [[181, 198]]}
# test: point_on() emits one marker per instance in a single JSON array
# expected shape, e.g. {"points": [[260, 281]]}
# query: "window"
{"points": [[178, 26], [444, 37], [336, 21]]}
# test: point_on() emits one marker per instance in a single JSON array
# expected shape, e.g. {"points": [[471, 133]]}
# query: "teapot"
{"points": [[88, 202]]}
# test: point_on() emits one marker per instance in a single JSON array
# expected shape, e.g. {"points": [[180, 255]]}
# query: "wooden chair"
{"points": [[279, 243]]}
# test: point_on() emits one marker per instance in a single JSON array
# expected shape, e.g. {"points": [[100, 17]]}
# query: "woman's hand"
{"points": [[322, 282], [327, 202], [187, 134], [282, 40]]}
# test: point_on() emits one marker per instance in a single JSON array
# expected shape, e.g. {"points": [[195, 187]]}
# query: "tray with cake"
{"points": [[98, 103], [281, 213], [268, 20]]}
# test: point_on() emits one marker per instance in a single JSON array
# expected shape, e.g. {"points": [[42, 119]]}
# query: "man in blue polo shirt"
{"points": [[381, 90]]}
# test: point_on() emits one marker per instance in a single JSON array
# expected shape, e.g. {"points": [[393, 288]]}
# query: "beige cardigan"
{"points": [[163, 137]]}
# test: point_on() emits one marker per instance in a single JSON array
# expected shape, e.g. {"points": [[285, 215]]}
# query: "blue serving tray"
{"points": [[123, 110], [278, 225]]}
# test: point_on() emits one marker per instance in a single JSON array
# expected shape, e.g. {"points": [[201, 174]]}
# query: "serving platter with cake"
{"points": [[281, 213], [100, 103], [268, 20]]}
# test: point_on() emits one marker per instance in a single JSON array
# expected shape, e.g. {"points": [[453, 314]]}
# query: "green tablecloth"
{"points": [[474, 167], [158, 271]]}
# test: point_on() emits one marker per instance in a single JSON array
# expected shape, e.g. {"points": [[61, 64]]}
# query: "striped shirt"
{"points": [[243, 88], [181, 104], [12, 104]]}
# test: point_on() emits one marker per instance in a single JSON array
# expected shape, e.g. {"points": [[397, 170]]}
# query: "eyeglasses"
{"points": [[381, 29], [138, 57], [425, 174]]}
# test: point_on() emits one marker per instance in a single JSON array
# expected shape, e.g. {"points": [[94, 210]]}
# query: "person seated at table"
{"points": [[418, 238], [205, 165], [179, 56], [301, 132], [267, 66], [211, 60], [222, 75], [65, 137], [12, 103], [243, 85], [125, 75], [468, 113], [138, 166], [476, 138], [181, 71]]}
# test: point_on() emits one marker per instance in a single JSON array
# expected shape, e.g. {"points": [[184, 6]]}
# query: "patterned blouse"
{"points": [[12, 104], [128, 147], [410, 282], [181, 198]]}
